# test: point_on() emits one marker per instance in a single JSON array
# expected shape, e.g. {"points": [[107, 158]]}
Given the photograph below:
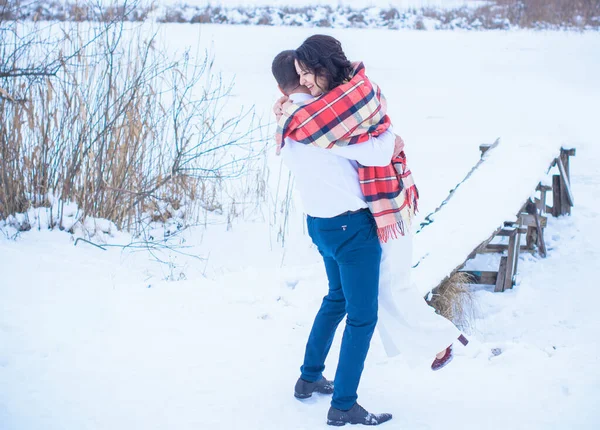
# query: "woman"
{"points": [[406, 323]]}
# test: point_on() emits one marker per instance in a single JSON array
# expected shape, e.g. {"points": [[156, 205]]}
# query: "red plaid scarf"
{"points": [[347, 115]]}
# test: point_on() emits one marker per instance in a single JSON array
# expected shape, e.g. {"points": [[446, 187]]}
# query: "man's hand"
{"points": [[278, 106], [398, 146]]}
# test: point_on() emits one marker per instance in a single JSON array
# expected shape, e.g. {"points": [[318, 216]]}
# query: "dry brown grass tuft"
{"points": [[454, 300]]}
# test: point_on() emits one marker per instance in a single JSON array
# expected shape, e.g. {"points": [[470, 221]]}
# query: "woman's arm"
{"points": [[278, 107], [377, 151]]}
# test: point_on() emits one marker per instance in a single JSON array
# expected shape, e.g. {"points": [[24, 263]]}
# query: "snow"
{"points": [[104, 339]]}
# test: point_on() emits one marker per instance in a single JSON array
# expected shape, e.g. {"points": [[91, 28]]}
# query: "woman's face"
{"points": [[316, 85]]}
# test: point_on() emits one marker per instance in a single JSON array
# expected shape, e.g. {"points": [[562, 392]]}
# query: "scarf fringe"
{"points": [[390, 231], [412, 198]]}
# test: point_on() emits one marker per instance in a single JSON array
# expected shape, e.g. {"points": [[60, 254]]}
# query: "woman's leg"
{"points": [[407, 323]]}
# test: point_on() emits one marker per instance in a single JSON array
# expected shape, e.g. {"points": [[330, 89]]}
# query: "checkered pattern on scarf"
{"points": [[347, 115]]}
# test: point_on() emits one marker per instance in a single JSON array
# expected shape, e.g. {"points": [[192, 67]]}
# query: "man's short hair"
{"points": [[284, 71]]}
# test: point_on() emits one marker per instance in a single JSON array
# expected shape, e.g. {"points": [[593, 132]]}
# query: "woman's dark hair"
{"points": [[323, 56]]}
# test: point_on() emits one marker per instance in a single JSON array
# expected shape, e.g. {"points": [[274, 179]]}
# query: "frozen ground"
{"points": [[93, 339]]}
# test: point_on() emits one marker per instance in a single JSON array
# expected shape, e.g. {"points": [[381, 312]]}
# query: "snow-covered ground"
{"points": [[93, 339]]}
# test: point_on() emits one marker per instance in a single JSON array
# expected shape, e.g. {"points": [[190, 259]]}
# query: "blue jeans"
{"points": [[352, 254]]}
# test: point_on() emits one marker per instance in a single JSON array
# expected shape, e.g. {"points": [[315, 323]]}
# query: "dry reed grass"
{"points": [[97, 116], [454, 301]]}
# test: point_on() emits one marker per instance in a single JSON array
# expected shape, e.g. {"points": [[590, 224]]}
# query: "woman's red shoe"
{"points": [[438, 363]]}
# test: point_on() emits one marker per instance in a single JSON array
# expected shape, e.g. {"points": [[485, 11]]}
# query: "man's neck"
{"points": [[300, 95]]}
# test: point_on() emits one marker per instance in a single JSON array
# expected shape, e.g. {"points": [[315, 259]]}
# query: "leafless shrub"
{"points": [[390, 14], [94, 114], [499, 14], [265, 19], [173, 15], [202, 17], [572, 13], [419, 24]]}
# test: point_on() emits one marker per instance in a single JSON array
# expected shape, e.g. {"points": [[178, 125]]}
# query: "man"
{"points": [[342, 227]]}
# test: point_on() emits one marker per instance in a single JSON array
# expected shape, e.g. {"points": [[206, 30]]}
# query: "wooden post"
{"points": [[565, 185], [535, 230], [531, 238], [564, 156], [561, 184], [541, 203], [556, 196], [540, 236], [501, 276], [484, 148], [510, 262], [517, 246]]}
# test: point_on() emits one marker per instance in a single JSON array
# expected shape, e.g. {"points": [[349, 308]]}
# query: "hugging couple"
{"points": [[359, 196]]}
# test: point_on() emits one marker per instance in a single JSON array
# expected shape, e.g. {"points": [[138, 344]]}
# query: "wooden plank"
{"points": [[501, 276], [507, 232], [556, 206], [483, 277], [498, 249], [541, 187], [569, 151], [565, 184], [511, 224], [529, 220], [513, 254]]}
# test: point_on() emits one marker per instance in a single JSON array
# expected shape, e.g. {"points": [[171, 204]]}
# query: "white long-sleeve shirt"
{"points": [[327, 179]]}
